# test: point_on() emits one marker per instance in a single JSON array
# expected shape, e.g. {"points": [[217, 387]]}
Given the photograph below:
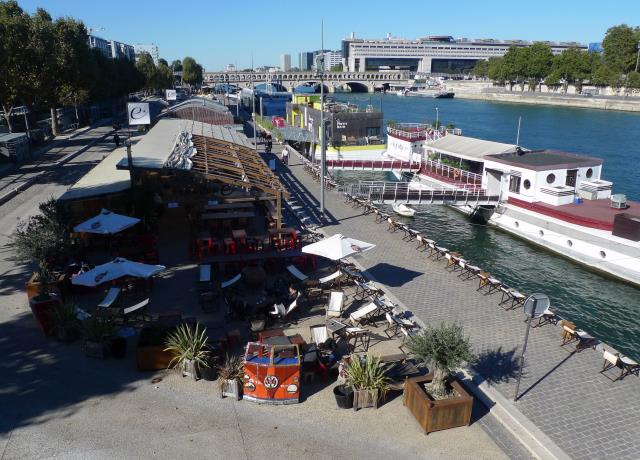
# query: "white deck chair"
{"points": [[297, 273], [319, 334], [231, 282], [110, 298], [336, 302], [327, 279], [136, 311], [363, 313]]}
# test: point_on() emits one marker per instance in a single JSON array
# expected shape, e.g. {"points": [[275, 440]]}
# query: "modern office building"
{"points": [[111, 48], [332, 58], [305, 60], [151, 48], [432, 54], [285, 62]]}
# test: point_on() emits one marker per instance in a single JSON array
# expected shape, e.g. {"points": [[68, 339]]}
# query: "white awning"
{"points": [[468, 148]]}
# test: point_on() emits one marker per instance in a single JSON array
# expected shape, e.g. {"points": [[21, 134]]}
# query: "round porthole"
{"points": [[589, 173], [551, 178], [541, 233], [569, 243], [526, 184], [603, 254], [517, 224]]}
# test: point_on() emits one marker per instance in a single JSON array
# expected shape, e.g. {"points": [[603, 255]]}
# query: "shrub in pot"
{"points": [[97, 333], [230, 374], [189, 347], [65, 321], [438, 400], [366, 376]]}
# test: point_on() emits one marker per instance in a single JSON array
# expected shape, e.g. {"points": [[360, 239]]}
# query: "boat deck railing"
{"points": [[373, 165], [450, 174]]}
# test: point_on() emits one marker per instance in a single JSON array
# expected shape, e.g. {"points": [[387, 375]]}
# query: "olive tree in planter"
{"points": [[438, 400], [41, 239], [189, 347], [230, 374], [98, 332], [367, 378]]}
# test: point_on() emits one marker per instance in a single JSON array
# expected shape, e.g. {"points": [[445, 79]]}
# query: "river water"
{"points": [[606, 308]]}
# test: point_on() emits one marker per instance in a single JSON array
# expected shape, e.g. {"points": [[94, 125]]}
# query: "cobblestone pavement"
{"points": [[563, 393]]}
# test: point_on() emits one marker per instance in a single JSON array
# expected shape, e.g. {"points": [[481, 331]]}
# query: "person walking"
{"points": [[285, 156], [116, 139]]}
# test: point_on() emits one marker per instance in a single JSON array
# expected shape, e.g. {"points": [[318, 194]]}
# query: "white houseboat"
{"points": [[551, 198]]}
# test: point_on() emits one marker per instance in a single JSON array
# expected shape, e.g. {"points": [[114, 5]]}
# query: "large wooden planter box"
{"points": [[365, 398], [41, 310], [435, 415], [150, 354], [231, 388]]}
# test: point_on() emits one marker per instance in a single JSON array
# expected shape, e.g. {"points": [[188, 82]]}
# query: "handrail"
{"points": [[451, 172], [374, 164]]}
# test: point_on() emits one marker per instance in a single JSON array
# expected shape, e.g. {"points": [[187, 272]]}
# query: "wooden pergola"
{"points": [[237, 165]]}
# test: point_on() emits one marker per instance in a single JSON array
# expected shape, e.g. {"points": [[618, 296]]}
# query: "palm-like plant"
{"points": [[65, 319], [231, 369], [188, 345], [367, 374], [444, 348]]}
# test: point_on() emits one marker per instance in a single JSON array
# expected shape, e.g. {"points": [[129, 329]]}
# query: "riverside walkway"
{"points": [[562, 392]]}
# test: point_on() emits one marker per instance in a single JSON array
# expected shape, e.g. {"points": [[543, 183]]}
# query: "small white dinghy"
{"points": [[403, 210]]}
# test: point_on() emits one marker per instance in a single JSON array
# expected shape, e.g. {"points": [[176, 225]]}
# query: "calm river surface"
{"points": [[603, 306]]}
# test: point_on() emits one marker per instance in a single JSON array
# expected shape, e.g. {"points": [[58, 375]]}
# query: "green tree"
{"points": [[515, 65], [163, 62], [572, 66], [15, 61], [336, 68], [633, 80], [176, 65], [481, 69], [539, 62], [147, 68], [164, 76], [620, 50], [496, 70], [191, 72]]}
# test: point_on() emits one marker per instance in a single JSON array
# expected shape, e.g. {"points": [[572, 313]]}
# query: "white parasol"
{"points": [[115, 269], [106, 223], [337, 247]]}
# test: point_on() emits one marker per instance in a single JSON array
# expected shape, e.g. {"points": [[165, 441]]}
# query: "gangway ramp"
{"points": [[411, 193]]}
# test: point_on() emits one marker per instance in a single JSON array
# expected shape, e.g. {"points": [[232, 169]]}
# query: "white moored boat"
{"points": [[403, 210]]}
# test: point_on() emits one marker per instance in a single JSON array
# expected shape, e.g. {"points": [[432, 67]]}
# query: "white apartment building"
{"points": [[150, 48], [432, 54], [285, 62], [111, 48]]}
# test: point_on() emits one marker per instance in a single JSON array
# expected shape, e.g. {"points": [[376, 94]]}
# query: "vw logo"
{"points": [[271, 381]]}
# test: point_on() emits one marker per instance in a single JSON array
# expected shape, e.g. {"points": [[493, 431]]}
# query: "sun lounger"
{"points": [[468, 271], [327, 280], [297, 273], [364, 313], [410, 234], [407, 335], [381, 217], [511, 298], [231, 282], [136, 312], [454, 262], [395, 323], [110, 298], [336, 302], [488, 283], [440, 252], [369, 209], [582, 339], [365, 290], [546, 317], [629, 366]]}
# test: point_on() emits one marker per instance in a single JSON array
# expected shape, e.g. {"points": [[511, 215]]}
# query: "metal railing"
{"points": [[407, 192], [453, 174], [374, 165]]}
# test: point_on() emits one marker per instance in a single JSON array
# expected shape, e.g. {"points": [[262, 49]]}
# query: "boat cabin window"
{"points": [[526, 184], [551, 178], [514, 184], [572, 175], [589, 173]]}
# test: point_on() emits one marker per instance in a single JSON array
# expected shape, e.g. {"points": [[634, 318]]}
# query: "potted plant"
{"points": [[438, 400], [230, 374], [189, 348], [97, 332], [366, 376], [65, 321], [42, 239]]}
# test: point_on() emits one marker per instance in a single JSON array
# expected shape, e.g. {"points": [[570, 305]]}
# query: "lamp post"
{"points": [[323, 151], [638, 56]]}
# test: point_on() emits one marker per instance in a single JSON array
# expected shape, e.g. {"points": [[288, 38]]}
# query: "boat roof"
{"points": [[153, 150], [469, 148], [103, 179], [543, 160]]}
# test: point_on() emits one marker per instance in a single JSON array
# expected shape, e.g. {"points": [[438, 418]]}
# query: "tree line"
{"points": [[616, 66], [46, 63]]}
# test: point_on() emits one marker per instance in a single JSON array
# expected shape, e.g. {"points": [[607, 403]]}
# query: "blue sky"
{"points": [[217, 32]]}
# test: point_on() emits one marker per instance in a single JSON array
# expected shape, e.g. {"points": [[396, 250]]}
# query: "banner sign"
{"points": [[138, 113], [171, 95]]}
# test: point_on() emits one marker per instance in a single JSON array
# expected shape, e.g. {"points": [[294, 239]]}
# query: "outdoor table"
{"points": [[335, 327], [277, 340]]}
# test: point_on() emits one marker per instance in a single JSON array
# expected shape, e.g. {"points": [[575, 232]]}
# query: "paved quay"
{"points": [[562, 393]]}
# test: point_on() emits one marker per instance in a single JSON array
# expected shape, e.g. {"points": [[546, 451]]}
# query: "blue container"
{"points": [[577, 200]]}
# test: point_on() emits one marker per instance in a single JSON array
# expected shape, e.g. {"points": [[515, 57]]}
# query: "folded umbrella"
{"points": [[106, 223], [115, 269], [337, 247]]}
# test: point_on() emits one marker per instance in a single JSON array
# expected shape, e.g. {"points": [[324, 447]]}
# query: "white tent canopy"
{"points": [[106, 223], [337, 247], [115, 269]]}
